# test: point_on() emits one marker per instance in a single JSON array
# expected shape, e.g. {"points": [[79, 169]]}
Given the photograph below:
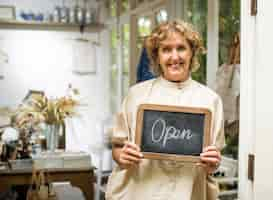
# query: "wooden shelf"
{"points": [[228, 193], [227, 180], [33, 25]]}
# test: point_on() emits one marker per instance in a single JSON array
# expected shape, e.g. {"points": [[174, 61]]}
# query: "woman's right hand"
{"points": [[129, 155]]}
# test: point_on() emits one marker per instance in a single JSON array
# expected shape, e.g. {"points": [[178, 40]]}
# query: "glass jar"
{"points": [[56, 14], [63, 13]]}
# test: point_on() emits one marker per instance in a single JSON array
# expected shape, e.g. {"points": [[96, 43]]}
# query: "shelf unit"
{"points": [[227, 180], [228, 193], [33, 25]]}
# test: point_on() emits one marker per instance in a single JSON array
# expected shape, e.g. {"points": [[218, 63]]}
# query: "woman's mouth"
{"points": [[176, 65]]}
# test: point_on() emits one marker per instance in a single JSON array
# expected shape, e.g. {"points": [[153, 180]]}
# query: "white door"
{"points": [[256, 121]]}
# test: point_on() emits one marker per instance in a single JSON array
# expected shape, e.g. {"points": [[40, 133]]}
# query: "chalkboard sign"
{"points": [[172, 132]]}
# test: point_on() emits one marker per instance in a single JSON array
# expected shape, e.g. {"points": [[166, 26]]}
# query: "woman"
{"points": [[173, 48]]}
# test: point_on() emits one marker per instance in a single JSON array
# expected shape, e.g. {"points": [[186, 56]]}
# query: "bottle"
{"points": [[63, 13], [78, 13], [88, 13], [96, 12], [71, 15], [39, 17], [56, 14]]}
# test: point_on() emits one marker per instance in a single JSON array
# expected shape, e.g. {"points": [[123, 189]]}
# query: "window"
{"points": [[144, 27], [114, 72], [150, 14], [118, 7], [161, 16], [125, 58], [122, 62], [113, 8], [229, 25], [124, 5], [120, 32], [196, 13]]}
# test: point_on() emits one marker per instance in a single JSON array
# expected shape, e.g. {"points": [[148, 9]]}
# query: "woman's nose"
{"points": [[174, 54]]}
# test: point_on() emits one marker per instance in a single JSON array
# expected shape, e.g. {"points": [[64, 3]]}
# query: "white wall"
{"points": [[263, 183], [247, 99], [43, 60], [256, 101]]}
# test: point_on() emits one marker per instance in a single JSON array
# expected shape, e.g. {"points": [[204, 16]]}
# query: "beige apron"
{"points": [[153, 179]]}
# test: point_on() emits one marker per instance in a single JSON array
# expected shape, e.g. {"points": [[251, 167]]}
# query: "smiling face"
{"points": [[174, 57]]}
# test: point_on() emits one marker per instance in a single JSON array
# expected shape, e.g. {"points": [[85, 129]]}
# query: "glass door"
{"points": [[143, 23]]}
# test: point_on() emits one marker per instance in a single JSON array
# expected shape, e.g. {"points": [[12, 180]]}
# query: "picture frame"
{"points": [[84, 57], [7, 12], [172, 132]]}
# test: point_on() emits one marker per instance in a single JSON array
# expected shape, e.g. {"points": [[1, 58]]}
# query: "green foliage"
{"points": [[125, 5], [200, 74], [197, 15], [232, 144], [113, 8], [229, 24]]}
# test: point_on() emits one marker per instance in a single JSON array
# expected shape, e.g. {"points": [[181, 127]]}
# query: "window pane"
{"points": [[144, 26], [113, 8], [125, 84], [114, 72], [229, 25], [197, 15], [161, 16], [125, 58], [124, 5], [125, 47]]}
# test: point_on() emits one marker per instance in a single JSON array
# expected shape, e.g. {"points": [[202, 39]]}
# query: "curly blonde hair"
{"points": [[160, 33]]}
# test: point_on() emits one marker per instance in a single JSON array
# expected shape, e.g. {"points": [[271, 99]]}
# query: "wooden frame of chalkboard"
{"points": [[172, 132]]}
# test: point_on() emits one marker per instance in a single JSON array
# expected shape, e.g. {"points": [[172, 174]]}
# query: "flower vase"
{"points": [[52, 136]]}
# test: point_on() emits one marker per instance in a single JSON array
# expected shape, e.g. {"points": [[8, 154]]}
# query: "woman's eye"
{"points": [[166, 49], [181, 48]]}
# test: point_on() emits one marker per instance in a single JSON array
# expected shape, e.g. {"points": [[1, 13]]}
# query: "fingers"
{"points": [[211, 152], [132, 152], [131, 145], [132, 149], [210, 148], [210, 158], [127, 159], [130, 155]]}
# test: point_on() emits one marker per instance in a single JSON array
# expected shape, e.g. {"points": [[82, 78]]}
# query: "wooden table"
{"points": [[82, 178]]}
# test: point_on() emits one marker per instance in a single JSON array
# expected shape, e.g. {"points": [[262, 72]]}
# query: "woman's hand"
{"points": [[129, 155], [210, 159]]}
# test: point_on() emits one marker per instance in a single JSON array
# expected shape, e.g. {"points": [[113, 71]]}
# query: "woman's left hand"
{"points": [[210, 159]]}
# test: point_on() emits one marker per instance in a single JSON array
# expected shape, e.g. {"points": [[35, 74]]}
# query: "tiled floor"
{"points": [[67, 192], [63, 191]]}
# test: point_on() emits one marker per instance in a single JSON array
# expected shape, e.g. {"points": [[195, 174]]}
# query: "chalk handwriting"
{"points": [[168, 132]]}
